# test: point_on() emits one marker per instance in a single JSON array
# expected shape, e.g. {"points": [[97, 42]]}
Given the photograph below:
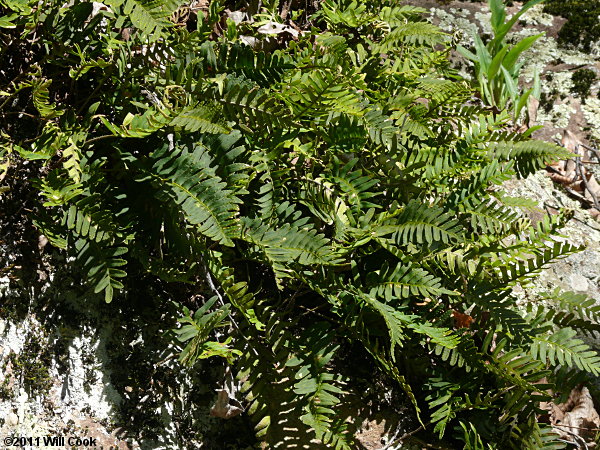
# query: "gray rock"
{"points": [[578, 282], [12, 420]]}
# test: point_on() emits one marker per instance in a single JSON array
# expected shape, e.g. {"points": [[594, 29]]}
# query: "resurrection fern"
{"points": [[150, 17], [325, 208]]}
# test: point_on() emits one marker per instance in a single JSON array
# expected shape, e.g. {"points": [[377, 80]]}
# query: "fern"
{"points": [[528, 156], [148, 16], [333, 198], [197, 118], [103, 266], [254, 108], [287, 245], [197, 331], [562, 348], [419, 223], [404, 281], [319, 388], [185, 178]]}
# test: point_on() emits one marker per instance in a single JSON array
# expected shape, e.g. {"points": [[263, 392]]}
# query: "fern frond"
{"points": [[71, 161], [522, 269], [103, 266], [403, 281], [41, 99], [563, 348], [397, 322], [528, 156], [492, 218], [356, 185], [288, 245], [148, 16], [397, 15], [96, 226], [260, 67], [197, 328], [254, 109], [198, 118], [57, 189], [318, 92], [583, 309], [319, 387], [441, 91], [139, 126], [186, 179], [419, 223], [413, 33], [321, 198], [381, 129]]}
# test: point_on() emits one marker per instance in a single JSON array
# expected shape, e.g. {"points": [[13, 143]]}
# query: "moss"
{"points": [[582, 27], [32, 366], [547, 100], [582, 82], [6, 392]]}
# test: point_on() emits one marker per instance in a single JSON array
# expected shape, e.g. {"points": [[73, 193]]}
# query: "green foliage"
{"points": [[199, 327], [339, 192], [496, 63]]}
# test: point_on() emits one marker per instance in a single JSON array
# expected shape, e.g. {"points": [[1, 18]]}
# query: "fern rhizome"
{"points": [[328, 190]]}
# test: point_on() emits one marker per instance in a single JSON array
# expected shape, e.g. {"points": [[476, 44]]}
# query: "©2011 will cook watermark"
{"points": [[49, 441]]}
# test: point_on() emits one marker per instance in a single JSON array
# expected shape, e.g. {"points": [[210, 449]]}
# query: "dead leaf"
{"points": [[461, 320], [576, 418], [199, 5], [222, 408], [277, 28], [572, 143], [532, 109]]}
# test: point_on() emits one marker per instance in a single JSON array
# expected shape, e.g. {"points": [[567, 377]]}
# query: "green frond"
{"points": [[254, 109], [528, 156], [380, 129], [397, 322], [563, 348], [139, 126], [97, 226], [319, 92], [576, 307], [398, 15], [442, 91], [319, 387], [355, 185], [287, 245], [419, 223], [261, 67], [72, 161], [57, 189], [186, 179], [41, 99], [198, 118], [197, 328], [471, 192], [525, 268], [442, 402], [403, 281], [350, 14], [150, 17], [103, 266], [492, 218], [412, 33], [321, 198], [237, 292]]}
